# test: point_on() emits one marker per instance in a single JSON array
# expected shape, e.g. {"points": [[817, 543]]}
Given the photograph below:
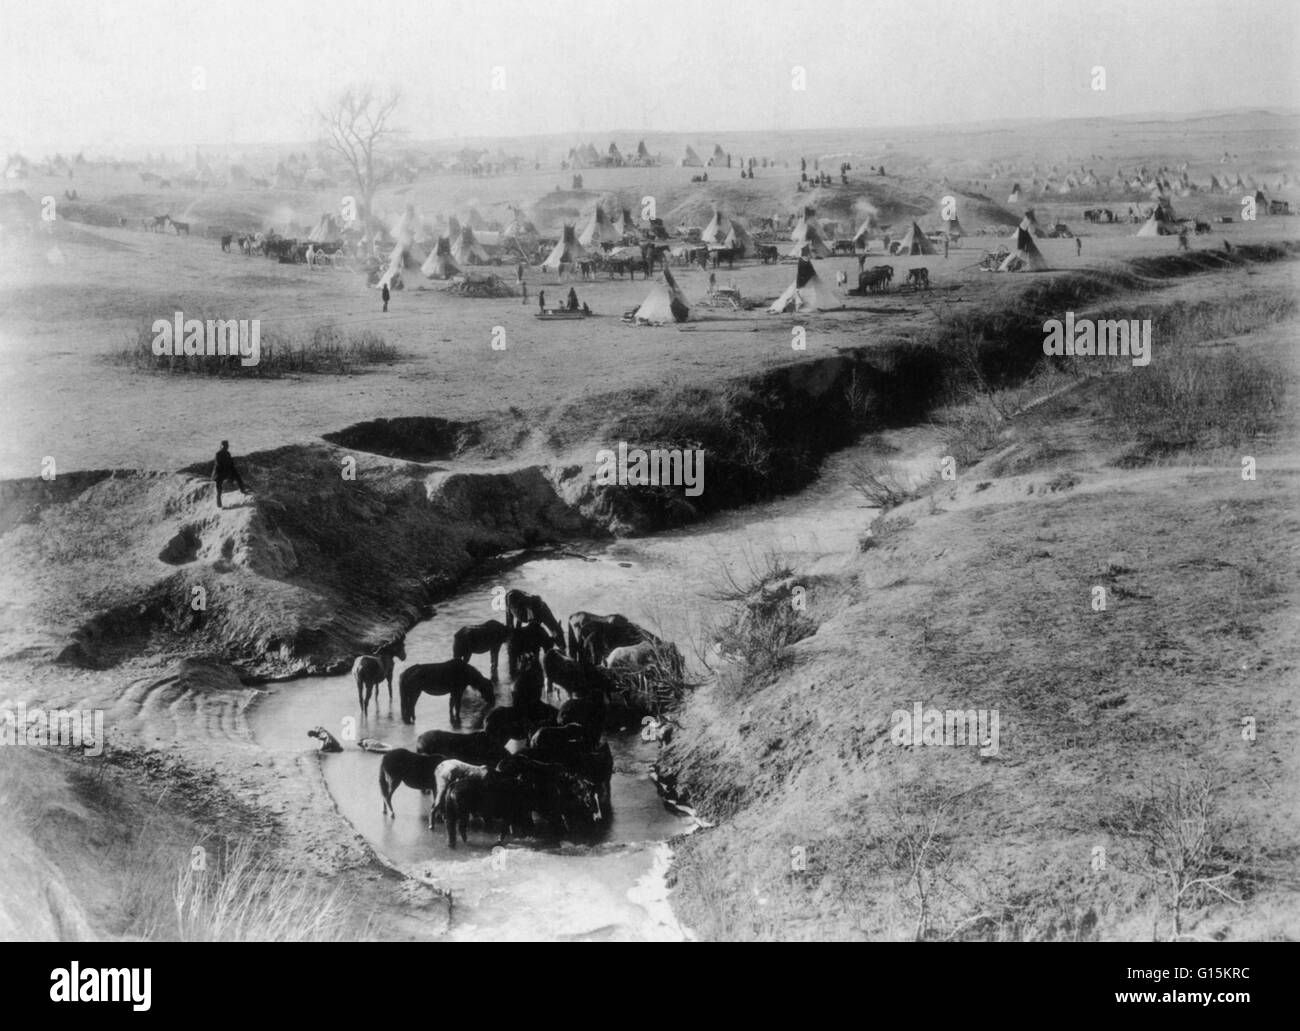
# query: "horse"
{"points": [[438, 678], [528, 684], [593, 637], [402, 766], [526, 640], [529, 608], [578, 753], [181, 227], [918, 277], [587, 711], [574, 675], [495, 796], [508, 723], [648, 655], [369, 670], [477, 639], [477, 747], [225, 241], [449, 772], [160, 222]]}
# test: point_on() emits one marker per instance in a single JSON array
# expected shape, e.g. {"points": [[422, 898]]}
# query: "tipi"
{"points": [[466, 250], [690, 159], [440, 265], [806, 293], [807, 238], [1015, 195], [723, 232], [567, 250], [626, 224], [521, 230], [598, 231], [1026, 257], [915, 242], [664, 304]]}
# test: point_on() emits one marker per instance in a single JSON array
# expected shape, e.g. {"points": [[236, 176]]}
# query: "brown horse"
{"points": [[369, 671], [477, 639], [438, 678], [522, 609], [527, 608]]}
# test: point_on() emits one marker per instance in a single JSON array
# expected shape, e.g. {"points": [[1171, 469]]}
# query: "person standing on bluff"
{"points": [[223, 470]]}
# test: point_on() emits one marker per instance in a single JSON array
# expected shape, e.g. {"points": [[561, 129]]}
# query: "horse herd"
{"points": [[561, 768]]}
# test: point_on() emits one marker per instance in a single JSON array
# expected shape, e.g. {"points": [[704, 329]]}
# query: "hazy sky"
{"points": [[116, 74]]}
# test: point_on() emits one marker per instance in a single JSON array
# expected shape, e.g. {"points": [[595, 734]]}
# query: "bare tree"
{"points": [[356, 125], [1187, 846]]}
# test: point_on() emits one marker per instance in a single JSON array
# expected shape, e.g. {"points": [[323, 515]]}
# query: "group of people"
{"points": [[570, 302]]}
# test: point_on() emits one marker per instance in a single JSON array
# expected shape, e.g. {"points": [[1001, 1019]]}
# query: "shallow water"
{"points": [[538, 888]]}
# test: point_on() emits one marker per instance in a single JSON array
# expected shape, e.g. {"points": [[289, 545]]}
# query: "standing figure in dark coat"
{"points": [[223, 470]]}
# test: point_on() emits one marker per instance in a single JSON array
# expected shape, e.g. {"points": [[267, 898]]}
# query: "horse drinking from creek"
{"points": [[523, 608], [438, 678], [480, 638], [402, 766], [368, 671], [526, 641]]}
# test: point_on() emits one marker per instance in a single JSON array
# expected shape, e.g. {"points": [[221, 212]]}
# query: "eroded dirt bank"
{"points": [[1140, 746], [102, 580]]}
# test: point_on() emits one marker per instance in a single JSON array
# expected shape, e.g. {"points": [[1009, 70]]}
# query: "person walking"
{"points": [[223, 471], [1078, 247], [385, 295], [541, 301]]}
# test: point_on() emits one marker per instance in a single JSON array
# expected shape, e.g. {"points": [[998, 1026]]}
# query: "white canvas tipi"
{"points": [[567, 250], [1026, 257], [915, 242], [466, 249], [807, 238], [440, 265], [599, 232], [664, 304], [807, 293], [725, 232]]}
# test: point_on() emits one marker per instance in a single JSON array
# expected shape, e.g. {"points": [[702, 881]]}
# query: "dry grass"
{"points": [[323, 350], [764, 612], [1192, 399], [241, 896]]}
